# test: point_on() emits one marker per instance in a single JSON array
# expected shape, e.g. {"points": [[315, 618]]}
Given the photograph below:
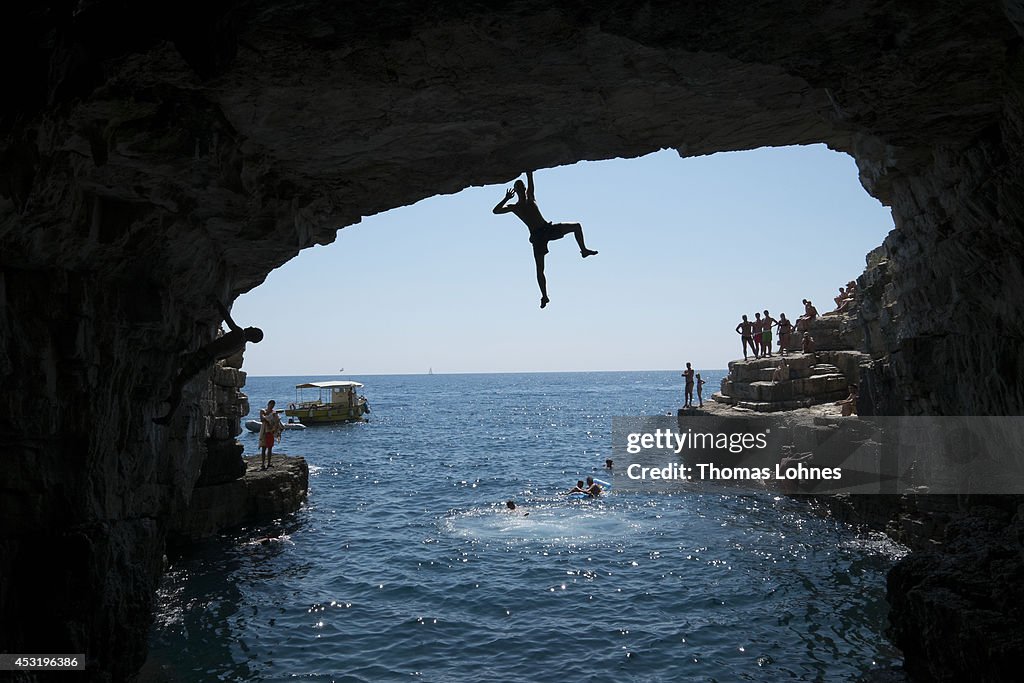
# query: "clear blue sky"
{"points": [[686, 247]]}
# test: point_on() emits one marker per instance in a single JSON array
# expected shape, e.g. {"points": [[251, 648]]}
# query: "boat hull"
{"points": [[254, 425], [324, 415]]}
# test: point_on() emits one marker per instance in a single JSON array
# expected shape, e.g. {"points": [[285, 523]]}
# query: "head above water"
{"points": [[608, 463], [271, 403], [590, 480], [580, 483], [510, 504]]}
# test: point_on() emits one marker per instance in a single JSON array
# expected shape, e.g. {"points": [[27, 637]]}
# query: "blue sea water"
{"points": [[404, 564]]}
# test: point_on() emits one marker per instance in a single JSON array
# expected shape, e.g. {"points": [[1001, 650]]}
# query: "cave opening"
{"points": [[687, 246]]}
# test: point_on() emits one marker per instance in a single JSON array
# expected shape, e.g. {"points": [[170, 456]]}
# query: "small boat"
{"points": [[254, 425], [336, 401]]}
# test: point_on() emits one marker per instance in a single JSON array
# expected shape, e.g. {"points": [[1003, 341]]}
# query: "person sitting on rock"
{"points": [[789, 460], [222, 347], [807, 343], [541, 231], [803, 323], [781, 373], [849, 404], [849, 298], [841, 299]]}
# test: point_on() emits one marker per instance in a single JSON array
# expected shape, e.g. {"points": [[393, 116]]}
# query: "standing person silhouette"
{"points": [[541, 231], [746, 331], [270, 429], [688, 376]]}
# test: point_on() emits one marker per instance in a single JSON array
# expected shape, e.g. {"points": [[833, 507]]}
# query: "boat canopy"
{"points": [[328, 385]]}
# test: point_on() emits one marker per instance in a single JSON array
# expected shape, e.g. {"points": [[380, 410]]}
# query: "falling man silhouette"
{"points": [[541, 231]]}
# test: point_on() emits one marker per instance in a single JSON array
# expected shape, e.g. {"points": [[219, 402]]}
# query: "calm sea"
{"points": [[404, 565]]}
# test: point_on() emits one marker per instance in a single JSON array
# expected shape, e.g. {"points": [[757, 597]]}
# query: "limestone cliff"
{"points": [[156, 155]]}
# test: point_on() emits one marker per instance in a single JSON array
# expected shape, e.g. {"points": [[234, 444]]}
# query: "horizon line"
{"points": [[469, 372]]}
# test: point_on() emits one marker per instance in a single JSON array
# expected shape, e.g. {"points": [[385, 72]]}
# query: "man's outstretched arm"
{"points": [[500, 206], [227, 316], [530, 196]]}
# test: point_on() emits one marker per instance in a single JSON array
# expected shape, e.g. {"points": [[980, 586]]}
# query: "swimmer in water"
{"points": [[578, 488], [265, 540], [593, 490], [608, 464], [511, 505]]}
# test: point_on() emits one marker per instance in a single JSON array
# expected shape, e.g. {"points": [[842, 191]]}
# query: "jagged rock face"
{"points": [[156, 157], [959, 611]]}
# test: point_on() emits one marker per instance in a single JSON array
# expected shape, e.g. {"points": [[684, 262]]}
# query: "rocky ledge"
{"points": [[808, 379], [957, 607], [259, 495]]}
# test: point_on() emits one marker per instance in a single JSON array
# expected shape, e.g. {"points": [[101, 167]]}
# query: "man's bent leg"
{"points": [[577, 230]]}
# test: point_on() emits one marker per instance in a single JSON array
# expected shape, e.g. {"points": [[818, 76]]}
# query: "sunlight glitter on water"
{"points": [[405, 562]]}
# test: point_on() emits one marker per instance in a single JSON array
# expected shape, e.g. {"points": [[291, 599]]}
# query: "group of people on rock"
{"points": [[757, 333], [692, 379]]}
